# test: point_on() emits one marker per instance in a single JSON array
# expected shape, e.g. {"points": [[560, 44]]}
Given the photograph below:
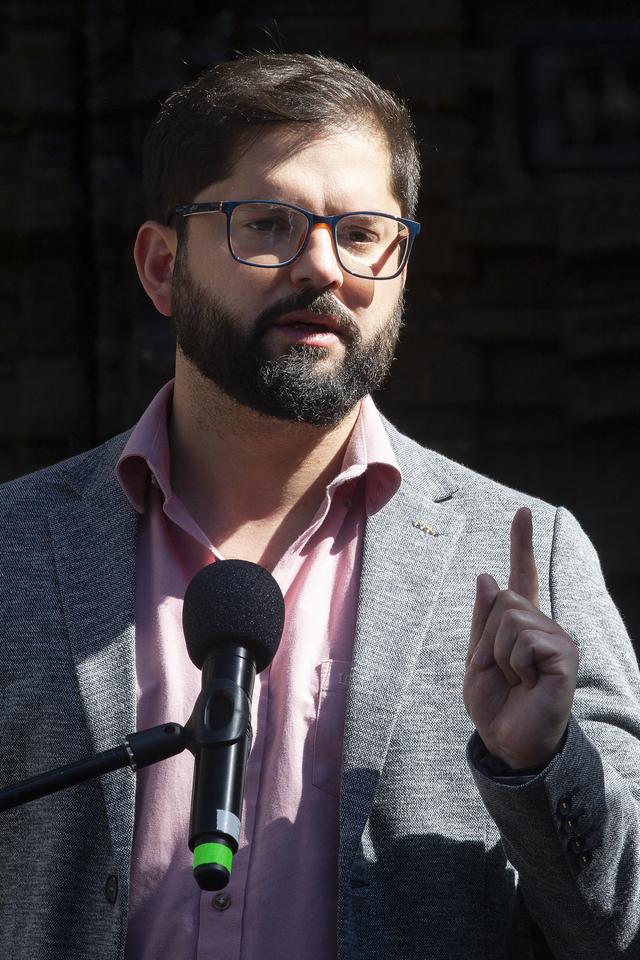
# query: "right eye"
{"points": [[268, 225]]}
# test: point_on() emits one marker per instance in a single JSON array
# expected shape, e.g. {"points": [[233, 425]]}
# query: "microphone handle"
{"points": [[221, 737], [218, 789]]}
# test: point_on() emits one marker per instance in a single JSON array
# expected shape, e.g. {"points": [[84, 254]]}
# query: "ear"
{"points": [[154, 253]]}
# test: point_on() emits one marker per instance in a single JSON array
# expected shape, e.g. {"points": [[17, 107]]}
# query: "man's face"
{"points": [[303, 342]]}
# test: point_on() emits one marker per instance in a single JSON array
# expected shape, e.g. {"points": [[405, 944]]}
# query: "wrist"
{"points": [[502, 764]]}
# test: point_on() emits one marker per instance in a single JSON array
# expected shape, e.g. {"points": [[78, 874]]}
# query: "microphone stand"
{"points": [[138, 750]]}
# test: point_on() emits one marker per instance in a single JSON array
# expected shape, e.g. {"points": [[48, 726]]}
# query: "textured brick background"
{"points": [[522, 348]]}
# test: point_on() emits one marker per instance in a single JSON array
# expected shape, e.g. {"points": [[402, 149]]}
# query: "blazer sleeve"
{"points": [[573, 831]]}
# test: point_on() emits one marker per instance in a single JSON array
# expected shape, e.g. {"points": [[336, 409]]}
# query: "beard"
{"points": [[300, 384]]}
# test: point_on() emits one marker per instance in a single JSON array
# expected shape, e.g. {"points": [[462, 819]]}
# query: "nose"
{"points": [[318, 264]]}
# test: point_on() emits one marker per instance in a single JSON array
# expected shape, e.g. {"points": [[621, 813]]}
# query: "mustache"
{"points": [[320, 302]]}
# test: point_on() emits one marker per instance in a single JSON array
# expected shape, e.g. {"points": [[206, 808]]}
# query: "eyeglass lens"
{"points": [[269, 234]]}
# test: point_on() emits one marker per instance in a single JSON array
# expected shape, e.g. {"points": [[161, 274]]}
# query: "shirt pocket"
{"points": [[329, 731]]}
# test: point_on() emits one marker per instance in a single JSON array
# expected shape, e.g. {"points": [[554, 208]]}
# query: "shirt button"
{"points": [[221, 901], [111, 888], [564, 806]]}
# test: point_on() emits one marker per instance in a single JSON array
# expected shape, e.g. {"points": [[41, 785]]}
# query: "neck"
{"points": [[252, 482]]}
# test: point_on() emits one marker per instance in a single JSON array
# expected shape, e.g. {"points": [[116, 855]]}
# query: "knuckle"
{"points": [[512, 618], [510, 597], [528, 637], [502, 655], [512, 600]]}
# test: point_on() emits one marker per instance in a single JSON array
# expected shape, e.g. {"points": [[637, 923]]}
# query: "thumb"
{"points": [[486, 592]]}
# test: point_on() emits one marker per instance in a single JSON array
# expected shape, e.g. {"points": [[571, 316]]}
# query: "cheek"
{"points": [[250, 287], [377, 303], [235, 283], [358, 295]]}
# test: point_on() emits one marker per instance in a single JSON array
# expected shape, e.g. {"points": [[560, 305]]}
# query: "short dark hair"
{"points": [[203, 128]]}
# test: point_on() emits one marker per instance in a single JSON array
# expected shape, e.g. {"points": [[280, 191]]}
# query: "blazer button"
{"points": [[111, 888], [564, 806]]}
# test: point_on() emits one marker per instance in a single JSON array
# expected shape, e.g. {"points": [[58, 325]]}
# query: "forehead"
{"points": [[327, 171]]}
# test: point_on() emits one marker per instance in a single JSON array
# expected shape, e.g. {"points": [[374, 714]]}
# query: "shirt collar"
{"points": [[369, 453], [146, 455]]}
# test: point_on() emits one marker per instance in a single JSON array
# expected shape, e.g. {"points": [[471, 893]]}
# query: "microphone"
{"points": [[233, 616]]}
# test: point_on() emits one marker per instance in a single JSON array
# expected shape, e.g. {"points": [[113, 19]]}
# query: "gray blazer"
{"points": [[436, 860]]}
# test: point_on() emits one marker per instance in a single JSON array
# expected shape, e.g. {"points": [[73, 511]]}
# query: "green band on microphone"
{"points": [[213, 853]]}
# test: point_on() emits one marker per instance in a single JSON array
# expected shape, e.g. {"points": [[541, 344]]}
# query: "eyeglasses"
{"points": [[266, 233]]}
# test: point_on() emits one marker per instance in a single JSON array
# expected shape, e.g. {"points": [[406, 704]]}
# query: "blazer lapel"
{"points": [[94, 550], [407, 549]]}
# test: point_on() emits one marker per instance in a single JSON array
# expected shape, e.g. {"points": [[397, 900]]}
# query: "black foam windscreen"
{"points": [[233, 601]]}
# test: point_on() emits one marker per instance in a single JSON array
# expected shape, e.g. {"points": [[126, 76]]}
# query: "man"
{"points": [[281, 192]]}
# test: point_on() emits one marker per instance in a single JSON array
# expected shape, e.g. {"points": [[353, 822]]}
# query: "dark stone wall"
{"points": [[521, 351]]}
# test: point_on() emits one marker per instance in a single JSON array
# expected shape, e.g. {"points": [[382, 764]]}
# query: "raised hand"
{"points": [[521, 666]]}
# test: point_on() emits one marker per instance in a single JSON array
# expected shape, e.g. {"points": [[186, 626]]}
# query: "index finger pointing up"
{"points": [[523, 575]]}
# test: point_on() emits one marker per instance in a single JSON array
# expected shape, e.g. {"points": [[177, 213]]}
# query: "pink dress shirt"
{"points": [[280, 903]]}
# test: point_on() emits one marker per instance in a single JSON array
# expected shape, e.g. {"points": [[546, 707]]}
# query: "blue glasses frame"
{"points": [[228, 206]]}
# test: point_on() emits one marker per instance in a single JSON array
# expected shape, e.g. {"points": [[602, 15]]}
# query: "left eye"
{"points": [[361, 236], [356, 235]]}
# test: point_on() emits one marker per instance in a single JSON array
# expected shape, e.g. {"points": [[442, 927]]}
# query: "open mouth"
{"points": [[305, 320]]}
